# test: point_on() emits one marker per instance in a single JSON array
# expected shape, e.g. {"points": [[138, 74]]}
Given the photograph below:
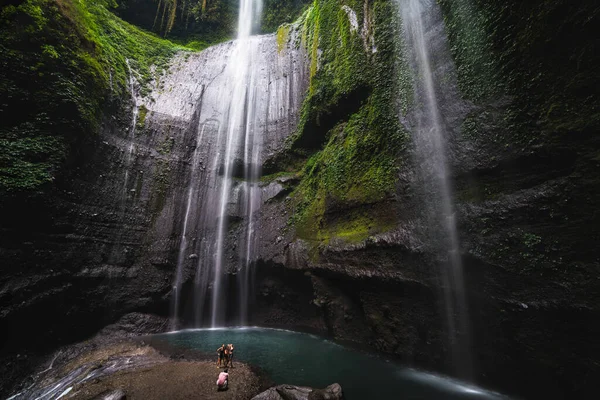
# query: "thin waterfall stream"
{"points": [[134, 120], [191, 196], [430, 143]]}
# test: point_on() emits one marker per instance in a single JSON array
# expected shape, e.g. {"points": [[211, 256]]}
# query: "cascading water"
{"points": [[252, 197], [430, 136], [119, 252], [241, 99], [239, 129], [134, 118], [191, 196]]}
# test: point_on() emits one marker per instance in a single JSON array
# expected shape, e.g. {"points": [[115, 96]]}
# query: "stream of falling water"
{"points": [[134, 119], [239, 127], [429, 136], [239, 84], [190, 203]]}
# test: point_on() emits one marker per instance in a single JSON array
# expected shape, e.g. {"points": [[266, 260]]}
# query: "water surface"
{"points": [[308, 360]]}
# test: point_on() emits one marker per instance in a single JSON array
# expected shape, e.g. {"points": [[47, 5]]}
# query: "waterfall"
{"points": [[190, 203], [421, 22], [232, 105], [240, 129], [134, 118]]}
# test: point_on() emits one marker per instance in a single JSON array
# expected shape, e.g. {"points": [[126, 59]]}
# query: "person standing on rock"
{"points": [[223, 380], [220, 354]]}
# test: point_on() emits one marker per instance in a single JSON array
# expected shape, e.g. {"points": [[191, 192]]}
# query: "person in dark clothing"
{"points": [[220, 355], [230, 355]]}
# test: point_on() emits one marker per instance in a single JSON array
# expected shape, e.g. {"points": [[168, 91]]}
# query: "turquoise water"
{"points": [[307, 360]]}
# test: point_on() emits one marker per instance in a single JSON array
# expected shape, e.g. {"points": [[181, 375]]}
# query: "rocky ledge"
{"points": [[290, 392], [134, 370]]}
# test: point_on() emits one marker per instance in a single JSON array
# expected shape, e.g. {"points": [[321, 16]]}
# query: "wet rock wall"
{"points": [[105, 242], [524, 190]]}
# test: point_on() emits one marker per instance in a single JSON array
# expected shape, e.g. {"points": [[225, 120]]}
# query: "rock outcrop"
{"points": [[289, 392], [522, 191], [104, 242]]}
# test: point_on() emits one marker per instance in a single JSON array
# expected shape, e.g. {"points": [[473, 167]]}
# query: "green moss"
{"points": [[61, 63], [166, 146], [279, 12], [529, 253], [141, 119], [283, 34], [349, 117], [531, 240], [271, 177], [204, 42], [351, 226], [344, 60]]}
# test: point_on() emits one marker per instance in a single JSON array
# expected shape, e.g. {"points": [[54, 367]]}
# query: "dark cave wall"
{"points": [[103, 239], [97, 250], [66, 233], [78, 249], [527, 205], [538, 221], [520, 109]]}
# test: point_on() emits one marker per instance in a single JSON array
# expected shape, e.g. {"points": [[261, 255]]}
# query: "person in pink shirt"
{"points": [[223, 381]]}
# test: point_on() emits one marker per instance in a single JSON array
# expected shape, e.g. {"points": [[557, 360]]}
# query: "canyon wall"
{"points": [[344, 246]]}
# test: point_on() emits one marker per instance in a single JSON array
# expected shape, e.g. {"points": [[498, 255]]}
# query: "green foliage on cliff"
{"points": [[201, 23], [543, 53], [278, 12], [197, 23], [283, 35], [349, 121], [61, 61], [531, 68]]}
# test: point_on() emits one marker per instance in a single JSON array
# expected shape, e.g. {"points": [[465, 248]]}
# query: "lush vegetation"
{"points": [[201, 23], [531, 67], [61, 62], [539, 52], [278, 12], [349, 127], [196, 23]]}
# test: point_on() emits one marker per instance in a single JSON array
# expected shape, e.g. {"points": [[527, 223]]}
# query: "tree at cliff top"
{"points": [[202, 22]]}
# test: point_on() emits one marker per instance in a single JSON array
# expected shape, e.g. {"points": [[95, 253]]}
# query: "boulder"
{"points": [[291, 392], [117, 394]]}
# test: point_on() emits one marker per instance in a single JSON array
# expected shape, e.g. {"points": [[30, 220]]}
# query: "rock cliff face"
{"points": [[344, 244], [107, 242], [522, 179]]}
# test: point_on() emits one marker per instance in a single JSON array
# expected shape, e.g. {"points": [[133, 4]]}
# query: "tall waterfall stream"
{"points": [[430, 137], [237, 102]]}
